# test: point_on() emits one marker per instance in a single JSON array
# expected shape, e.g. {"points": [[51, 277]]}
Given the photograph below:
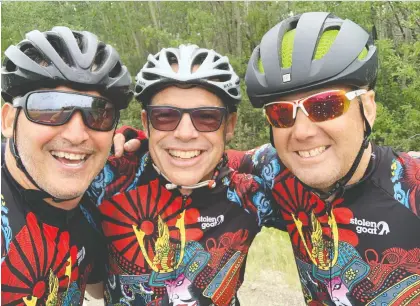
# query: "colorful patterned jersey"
{"points": [[48, 255], [363, 248], [169, 249]]}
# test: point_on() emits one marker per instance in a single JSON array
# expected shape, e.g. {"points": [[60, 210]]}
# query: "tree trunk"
{"points": [[238, 21], [152, 11], [130, 24]]}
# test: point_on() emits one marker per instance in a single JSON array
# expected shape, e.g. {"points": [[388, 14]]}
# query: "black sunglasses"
{"points": [[204, 119], [54, 108]]}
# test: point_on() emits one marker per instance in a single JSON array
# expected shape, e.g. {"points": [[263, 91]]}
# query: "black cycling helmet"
{"points": [[65, 57], [310, 51]]}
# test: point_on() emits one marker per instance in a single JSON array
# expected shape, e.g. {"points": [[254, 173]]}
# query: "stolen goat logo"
{"points": [[370, 227], [210, 221]]}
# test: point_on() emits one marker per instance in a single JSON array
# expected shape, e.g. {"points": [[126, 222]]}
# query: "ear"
{"points": [[144, 122], [369, 106], [230, 126], [7, 118]]}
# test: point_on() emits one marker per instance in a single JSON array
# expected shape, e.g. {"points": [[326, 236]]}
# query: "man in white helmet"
{"points": [[179, 221]]}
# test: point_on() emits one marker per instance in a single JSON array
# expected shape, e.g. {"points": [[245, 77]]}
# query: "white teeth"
{"points": [[70, 156], [184, 154], [313, 152]]}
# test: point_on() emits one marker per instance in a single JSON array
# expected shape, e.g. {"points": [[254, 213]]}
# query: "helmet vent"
{"points": [[216, 58], [198, 60], [138, 89], [57, 45], [35, 55], [79, 40], [364, 53], [150, 76], [116, 70], [224, 66], [150, 65], [10, 66], [260, 66], [99, 58], [172, 59], [233, 91], [220, 78], [325, 42]]}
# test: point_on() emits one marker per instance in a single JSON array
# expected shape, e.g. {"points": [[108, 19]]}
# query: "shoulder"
{"points": [[399, 174], [118, 175]]}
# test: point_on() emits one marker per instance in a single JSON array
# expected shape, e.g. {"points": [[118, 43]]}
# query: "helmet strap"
{"points": [[339, 185], [272, 137], [13, 148]]}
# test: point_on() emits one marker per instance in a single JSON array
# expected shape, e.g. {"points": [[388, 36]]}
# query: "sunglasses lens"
{"points": [[280, 115], [207, 120], [164, 118], [326, 106], [101, 116], [55, 108]]}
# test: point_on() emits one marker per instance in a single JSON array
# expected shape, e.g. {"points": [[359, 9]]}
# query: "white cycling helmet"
{"points": [[214, 73]]}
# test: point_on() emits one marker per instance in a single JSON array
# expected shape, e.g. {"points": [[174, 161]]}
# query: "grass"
{"points": [[272, 250], [271, 277]]}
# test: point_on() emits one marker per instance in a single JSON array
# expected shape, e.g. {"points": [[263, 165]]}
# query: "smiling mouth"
{"points": [[313, 152], [70, 159], [184, 154]]}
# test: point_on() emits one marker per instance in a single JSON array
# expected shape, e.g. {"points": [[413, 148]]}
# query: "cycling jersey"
{"points": [[48, 255], [362, 248], [169, 249]]}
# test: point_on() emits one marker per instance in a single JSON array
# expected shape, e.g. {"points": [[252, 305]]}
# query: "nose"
{"points": [[185, 130], [303, 128], [75, 130]]}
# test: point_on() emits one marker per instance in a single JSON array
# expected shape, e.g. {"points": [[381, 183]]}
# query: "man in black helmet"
{"points": [[351, 208], [64, 90]]}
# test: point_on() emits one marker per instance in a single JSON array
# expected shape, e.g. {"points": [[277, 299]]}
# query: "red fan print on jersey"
{"points": [[294, 199], [141, 208], [39, 265]]}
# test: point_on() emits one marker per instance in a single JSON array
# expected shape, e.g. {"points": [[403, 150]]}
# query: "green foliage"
{"points": [[137, 29]]}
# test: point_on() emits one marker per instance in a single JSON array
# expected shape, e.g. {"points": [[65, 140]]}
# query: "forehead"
{"points": [[69, 89], [186, 97], [307, 93]]}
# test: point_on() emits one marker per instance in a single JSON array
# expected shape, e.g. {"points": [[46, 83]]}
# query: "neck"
{"points": [[20, 177], [185, 192]]}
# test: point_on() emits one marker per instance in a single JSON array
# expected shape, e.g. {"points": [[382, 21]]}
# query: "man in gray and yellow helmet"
{"points": [[346, 198]]}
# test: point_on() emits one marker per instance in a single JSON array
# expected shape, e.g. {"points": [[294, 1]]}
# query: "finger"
{"points": [[119, 141], [132, 145], [414, 154]]}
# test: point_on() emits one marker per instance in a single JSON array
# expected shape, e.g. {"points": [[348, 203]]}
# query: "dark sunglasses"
{"points": [[319, 107], [54, 108], [204, 119]]}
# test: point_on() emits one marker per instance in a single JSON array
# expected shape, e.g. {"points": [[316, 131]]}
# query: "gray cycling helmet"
{"points": [[309, 51], [65, 57], [214, 73]]}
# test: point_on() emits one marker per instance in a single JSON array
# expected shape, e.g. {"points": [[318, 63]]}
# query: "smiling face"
{"points": [[63, 160], [185, 155], [320, 153]]}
